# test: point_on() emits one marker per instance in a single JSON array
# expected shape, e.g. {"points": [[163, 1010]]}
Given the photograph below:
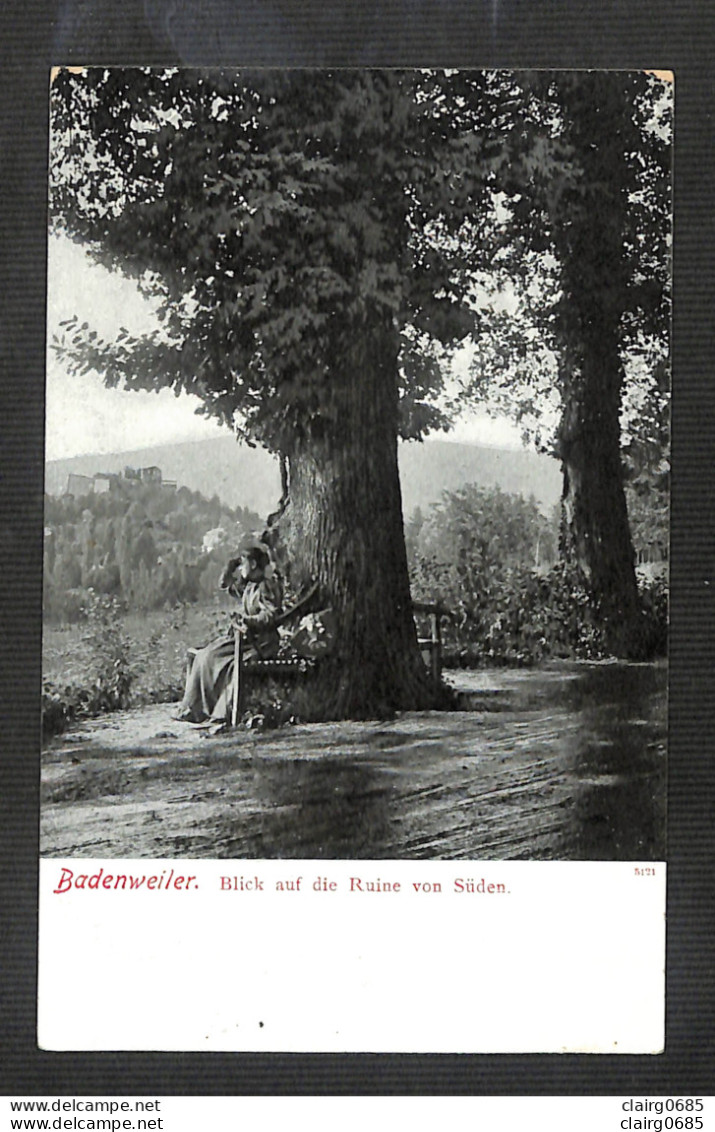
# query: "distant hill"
{"points": [[238, 475], [434, 466], [249, 477]]}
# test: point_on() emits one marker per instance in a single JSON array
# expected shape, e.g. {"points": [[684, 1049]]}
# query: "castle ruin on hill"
{"points": [[100, 482]]}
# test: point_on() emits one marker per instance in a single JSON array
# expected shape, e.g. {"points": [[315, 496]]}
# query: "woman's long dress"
{"points": [[209, 684]]}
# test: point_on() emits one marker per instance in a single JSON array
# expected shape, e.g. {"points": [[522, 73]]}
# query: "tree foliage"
{"points": [[588, 243], [588, 337], [268, 211], [273, 215]]}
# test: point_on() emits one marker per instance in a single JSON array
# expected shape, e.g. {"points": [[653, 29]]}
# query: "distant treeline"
{"points": [[148, 547]]}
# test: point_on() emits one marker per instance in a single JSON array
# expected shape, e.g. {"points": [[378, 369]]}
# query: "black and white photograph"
{"points": [[356, 526]]}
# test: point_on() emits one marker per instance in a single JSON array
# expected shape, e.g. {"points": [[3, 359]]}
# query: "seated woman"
{"points": [[209, 682]]}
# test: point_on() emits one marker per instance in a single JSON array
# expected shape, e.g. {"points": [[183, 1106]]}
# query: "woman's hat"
{"points": [[252, 547]]}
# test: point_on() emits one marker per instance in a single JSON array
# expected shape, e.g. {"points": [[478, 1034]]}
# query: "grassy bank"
{"points": [[114, 660]]}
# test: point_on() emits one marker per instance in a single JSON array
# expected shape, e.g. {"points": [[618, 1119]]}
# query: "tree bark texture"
{"points": [[590, 238], [597, 533], [343, 527]]}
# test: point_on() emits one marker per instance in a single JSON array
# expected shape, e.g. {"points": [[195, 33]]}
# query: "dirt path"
{"points": [[562, 763]]}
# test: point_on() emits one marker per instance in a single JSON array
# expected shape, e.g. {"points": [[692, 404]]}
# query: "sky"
{"points": [[83, 416]]}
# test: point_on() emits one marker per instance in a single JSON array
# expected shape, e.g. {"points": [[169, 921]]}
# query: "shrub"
{"points": [[110, 670], [526, 617], [60, 707], [523, 618], [541, 616]]}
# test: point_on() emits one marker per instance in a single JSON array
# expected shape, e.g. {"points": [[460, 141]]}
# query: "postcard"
{"points": [[356, 561]]}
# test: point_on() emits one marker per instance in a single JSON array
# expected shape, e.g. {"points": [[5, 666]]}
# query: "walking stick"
{"points": [[237, 662]]}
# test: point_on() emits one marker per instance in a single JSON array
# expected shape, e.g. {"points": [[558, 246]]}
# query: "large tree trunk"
{"points": [[596, 530], [590, 236], [343, 528]]}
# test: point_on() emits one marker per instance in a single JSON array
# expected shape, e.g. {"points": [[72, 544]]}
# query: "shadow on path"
{"points": [[566, 762]]}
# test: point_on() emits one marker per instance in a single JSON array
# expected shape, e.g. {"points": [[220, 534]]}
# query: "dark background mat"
{"points": [[455, 33]]}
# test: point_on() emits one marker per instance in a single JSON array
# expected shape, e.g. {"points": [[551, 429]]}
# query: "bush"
{"points": [[110, 668], [60, 707], [543, 616], [524, 618]]}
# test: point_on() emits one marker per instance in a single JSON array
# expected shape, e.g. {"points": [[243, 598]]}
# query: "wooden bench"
{"points": [[431, 646], [294, 666]]}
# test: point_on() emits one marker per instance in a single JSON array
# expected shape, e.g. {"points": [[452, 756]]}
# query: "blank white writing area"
{"points": [[343, 956]]}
